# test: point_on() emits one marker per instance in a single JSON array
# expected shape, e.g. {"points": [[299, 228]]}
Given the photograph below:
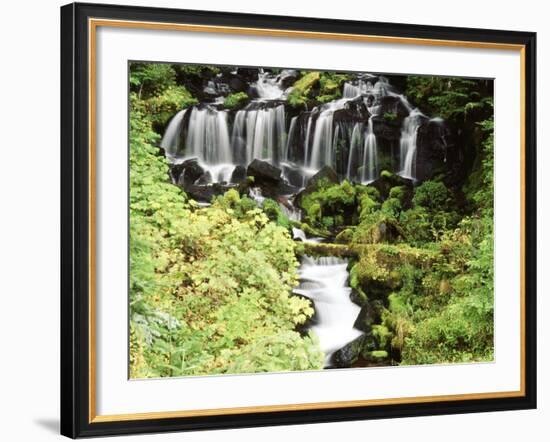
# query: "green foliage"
{"points": [[390, 116], [161, 108], [150, 79], [327, 206], [235, 100], [274, 213], [302, 89], [210, 289], [392, 207], [432, 195], [451, 98]]}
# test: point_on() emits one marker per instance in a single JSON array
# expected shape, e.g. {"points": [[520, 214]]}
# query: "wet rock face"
{"points": [[205, 193], [347, 355], [186, 173], [435, 150], [269, 179], [239, 174], [262, 171]]}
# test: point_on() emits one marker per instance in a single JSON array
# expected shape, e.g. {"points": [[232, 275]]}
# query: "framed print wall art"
{"points": [[280, 220]]}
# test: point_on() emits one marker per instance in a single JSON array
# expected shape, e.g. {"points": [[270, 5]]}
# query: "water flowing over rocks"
{"points": [[371, 128]]}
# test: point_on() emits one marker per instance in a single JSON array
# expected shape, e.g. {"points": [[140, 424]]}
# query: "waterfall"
{"points": [[324, 281], [335, 134], [354, 90], [354, 145], [291, 132], [265, 133], [268, 86], [208, 136], [322, 147], [170, 140], [407, 151], [370, 155]]}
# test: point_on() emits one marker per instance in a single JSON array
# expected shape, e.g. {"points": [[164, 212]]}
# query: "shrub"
{"points": [[235, 100]]}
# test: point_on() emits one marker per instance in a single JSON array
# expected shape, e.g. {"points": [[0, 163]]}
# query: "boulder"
{"points": [[262, 171], [186, 173], [370, 314], [347, 355], [326, 173], [387, 181], [206, 193], [239, 174]]}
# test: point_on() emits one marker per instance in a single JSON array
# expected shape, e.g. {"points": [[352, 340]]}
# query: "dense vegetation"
{"points": [[211, 287]]}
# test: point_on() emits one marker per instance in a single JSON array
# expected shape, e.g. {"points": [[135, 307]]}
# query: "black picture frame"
{"points": [[75, 220]]}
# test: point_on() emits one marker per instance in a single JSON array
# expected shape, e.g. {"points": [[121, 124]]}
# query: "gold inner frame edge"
{"points": [[93, 24]]}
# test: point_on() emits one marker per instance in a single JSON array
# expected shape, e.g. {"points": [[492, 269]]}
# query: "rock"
{"points": [[204, 179], [205, 193], [385, 129], [434, 144], [186, 173], [326, 173], [387, 180], [287, 77], [347, 355], [239, 174], [369, 315], [263, 171]]}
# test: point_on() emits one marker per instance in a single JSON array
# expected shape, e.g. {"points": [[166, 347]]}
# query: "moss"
{"points": [[390, 116], [382, 335], [377, 355], [274, 213], [431, 195], [329, 205], [328, 249], [163, 107], [367, 206], [398, 192], [301, 91], [345, 236], [392, 207], [238, 99], [386, 174]]}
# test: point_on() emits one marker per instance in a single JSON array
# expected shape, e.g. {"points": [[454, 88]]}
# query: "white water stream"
{"points": [[324, 281]]}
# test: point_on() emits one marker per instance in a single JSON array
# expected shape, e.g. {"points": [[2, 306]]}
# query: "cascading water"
{"points": [[170, 140], [370, 156], [324, 281], [260, 132], [339, 134], [409, 135]]}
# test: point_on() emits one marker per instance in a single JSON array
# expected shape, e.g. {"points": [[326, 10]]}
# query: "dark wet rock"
{"points": [[239, 174], [204, 179], [387, 181], [205, 193], [326, 173], [369, 315], [187, 172], [347, 355], [385, 129], [287, 77], [262, 171], [435, 147], [293, 174]]}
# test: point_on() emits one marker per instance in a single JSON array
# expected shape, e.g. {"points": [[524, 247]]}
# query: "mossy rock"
{"points": [[376, 356], [389, 180], [378, 227], [345, 236]]}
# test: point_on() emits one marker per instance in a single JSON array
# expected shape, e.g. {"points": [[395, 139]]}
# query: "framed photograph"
{"points": [[275, 220]]}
